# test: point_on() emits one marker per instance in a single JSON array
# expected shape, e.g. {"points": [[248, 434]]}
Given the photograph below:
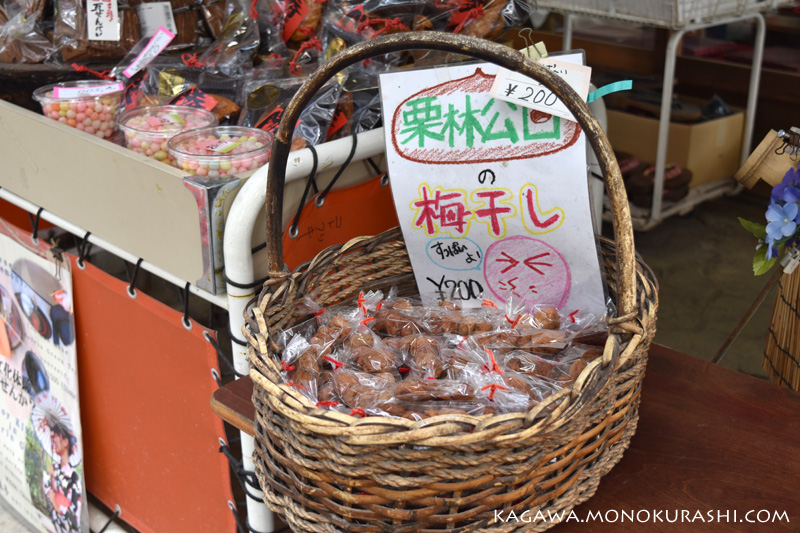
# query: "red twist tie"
{"points": [[495, 387], [253, 10], [430, 377], [190, 60], [287, 367], [367, 320], [361, 301], [403, 369], [378, 307], [336, 364], [105, 75], [489, 303], [291, 383], [494, 367], [320, 312], [327, 403], [474, 13], [572, 315], [358, 412], [388, 24], [513, 322], [310, 44]]}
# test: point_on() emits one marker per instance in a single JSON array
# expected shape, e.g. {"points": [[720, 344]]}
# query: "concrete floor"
{"points": [[703, 262], [703, 265]]}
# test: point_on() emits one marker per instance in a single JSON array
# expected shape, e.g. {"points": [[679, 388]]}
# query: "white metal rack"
{"points": [[647, 219]]}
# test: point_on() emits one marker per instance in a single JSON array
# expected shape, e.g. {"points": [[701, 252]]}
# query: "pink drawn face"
{"points": [[529, 269]]}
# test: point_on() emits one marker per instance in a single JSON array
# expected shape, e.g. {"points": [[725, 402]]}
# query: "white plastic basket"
{"points": [[667, 13]]}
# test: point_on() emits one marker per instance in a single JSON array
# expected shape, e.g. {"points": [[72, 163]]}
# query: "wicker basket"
{"points": [[328, 472]]}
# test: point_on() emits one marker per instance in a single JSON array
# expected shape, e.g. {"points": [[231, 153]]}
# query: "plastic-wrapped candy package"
{"points": [[266, 99], [71, 32]]}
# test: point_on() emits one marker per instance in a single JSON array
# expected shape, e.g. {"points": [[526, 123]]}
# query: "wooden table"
{"points": [[709, 439]]}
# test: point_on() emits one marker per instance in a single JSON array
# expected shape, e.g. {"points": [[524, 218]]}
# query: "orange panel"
{"points": [[19, 217], [151, 440], [362, 209]]}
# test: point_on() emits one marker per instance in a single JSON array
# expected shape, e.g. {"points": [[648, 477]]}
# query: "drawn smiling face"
{"points": [[529, 270]]}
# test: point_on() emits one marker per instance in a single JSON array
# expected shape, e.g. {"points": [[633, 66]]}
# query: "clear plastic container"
{"points": [[149, 129], [78, 104], [221, 151]]}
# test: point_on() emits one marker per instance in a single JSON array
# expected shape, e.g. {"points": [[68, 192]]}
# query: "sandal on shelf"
{"points": [[628, 165], [669, 195], [642, 183]]}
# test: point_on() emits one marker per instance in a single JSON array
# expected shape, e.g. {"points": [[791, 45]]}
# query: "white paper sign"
{"points": [[102, 17], [492, 197], [518, 89], [154, 46], [153, 15], [93, 90], [41, 451]]}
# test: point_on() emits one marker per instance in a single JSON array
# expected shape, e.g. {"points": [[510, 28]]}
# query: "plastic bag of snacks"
{"points": [[188, 22], [397, 357], [21, 40], [71, 34], [266, 99]]}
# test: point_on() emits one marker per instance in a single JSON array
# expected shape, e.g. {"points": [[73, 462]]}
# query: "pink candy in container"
{"points": [[221, 151], [149, 129], [87, 105]]}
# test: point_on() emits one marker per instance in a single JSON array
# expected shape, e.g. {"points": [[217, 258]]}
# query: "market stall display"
{"points": [[290, 426]]}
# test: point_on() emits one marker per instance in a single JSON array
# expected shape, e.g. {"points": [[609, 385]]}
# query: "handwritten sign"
{"points": [[102, 17], [491, 196], [154, 46], [518, 89]]}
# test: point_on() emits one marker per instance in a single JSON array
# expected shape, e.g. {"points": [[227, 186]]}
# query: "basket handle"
{"points": [[478, 49]]}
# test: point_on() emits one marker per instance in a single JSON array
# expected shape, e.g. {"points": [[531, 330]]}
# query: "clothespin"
{"points": [[790, 260]]}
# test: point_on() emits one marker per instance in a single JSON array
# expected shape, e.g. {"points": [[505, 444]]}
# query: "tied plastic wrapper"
{"points": [[172, 82], [266, 99], [347, 24], [71, 33], [346, 358], [232, 51], [21, 40], [188, 22]]}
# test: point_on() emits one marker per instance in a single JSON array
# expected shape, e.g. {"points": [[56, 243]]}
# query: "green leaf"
{"points": [[761, 264], [759, 230]]}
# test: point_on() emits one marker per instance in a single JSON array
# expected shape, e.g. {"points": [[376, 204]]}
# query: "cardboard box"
{"points": [[711, 149]]}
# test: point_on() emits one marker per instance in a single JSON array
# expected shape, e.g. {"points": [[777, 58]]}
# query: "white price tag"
{"points": [[102, 20], [153, 15], [518, 89], [95, 90], [155, 46]]}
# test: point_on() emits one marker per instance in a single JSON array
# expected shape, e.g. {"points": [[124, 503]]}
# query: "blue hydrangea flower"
{"points": [[790, 185], [781, 221]]}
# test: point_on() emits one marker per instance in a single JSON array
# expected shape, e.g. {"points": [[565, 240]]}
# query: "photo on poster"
{"points": [[41, 471]]}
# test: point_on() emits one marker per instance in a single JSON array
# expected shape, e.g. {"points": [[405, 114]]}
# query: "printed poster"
{"points": [[41, 471], [492, 196]]}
